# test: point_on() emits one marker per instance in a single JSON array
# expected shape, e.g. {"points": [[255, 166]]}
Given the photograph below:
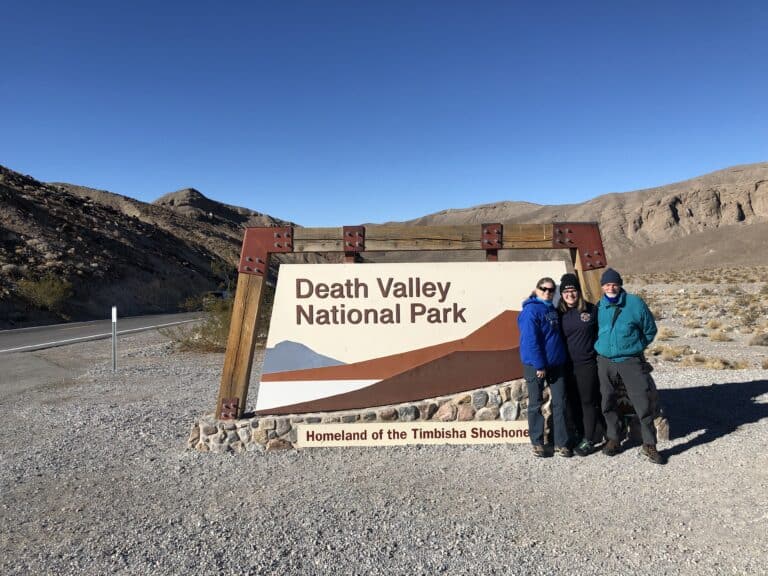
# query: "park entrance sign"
{"points": [[360, 333], [348, 336]]}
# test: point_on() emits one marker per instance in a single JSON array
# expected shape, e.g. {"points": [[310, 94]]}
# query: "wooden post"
{"points": [[241, 341], [589, 279]]}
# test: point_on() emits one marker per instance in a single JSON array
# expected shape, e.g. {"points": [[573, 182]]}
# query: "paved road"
{"points": [[39, 337]]}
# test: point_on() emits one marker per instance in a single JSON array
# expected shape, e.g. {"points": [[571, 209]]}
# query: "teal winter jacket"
{"points": [[626, 333]]}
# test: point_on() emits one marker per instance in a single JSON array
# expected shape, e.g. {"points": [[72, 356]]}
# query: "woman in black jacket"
{"points": [[578, 319]]}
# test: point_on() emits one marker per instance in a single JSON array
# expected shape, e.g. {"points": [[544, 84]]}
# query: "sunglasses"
{"points": [[546, 288]]}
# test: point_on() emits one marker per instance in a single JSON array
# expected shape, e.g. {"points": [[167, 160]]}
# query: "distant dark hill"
{"points": [[112, 249], [289, 355]]}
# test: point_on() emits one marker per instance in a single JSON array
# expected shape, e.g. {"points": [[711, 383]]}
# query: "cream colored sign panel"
{"points": [[356, 335], [354, 312], [402, 433]]}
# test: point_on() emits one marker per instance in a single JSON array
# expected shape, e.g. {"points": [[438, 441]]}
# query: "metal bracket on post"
{"points": [[582, 237], [354, 243], [493, 240], [259, 243], [229, 408]]}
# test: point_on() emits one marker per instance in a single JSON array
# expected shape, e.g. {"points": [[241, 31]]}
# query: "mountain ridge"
{"points": [[149, 257]]}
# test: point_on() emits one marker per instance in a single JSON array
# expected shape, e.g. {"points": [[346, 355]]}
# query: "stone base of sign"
{"points": [[507, 401]]}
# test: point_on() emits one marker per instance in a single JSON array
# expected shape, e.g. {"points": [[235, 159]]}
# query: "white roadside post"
{"points": [[114, 338]]}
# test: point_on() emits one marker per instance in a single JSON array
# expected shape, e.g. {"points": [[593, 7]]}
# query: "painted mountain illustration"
{"points": [[487, 356], [288, 355]]}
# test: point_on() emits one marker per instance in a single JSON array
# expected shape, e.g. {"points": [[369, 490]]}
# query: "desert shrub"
{"points": [[669, 353], [759, 339], [714, 324], [764, 365], [193, 303], [751, 315], [48, 293], [211, 334], [719, 336], [665, 334]]}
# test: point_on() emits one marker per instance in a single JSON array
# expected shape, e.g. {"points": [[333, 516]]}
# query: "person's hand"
{"points": [[541, 373]]}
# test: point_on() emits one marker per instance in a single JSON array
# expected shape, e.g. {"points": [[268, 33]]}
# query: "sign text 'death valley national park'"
{"points": [[349, 336]]}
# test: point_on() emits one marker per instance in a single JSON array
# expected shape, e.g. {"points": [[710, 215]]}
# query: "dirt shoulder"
{"points": [[96, 479]]}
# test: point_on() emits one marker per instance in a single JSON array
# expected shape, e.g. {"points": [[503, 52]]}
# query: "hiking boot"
{"points": [[611, 448], [563, 451], [539, 451], [585, 448], [651, 454]]}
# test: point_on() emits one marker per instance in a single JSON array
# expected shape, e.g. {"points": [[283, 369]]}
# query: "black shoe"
{"points": [[585, 448], [539, 451], [651, 454], [611, 448], [563, 451]]}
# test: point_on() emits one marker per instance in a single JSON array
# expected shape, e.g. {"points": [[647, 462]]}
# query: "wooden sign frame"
{"points": [[581, 239]]}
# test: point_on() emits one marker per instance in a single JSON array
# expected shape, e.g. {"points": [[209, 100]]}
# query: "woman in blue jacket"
{"points": [[543, 355]]}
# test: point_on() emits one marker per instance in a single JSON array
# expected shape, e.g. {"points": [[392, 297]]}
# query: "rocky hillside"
{"points": [[731, 201], [148, 258], [111, 249]]}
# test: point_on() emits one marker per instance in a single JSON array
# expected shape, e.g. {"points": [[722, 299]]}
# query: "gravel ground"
{"points": [[96, 479]]}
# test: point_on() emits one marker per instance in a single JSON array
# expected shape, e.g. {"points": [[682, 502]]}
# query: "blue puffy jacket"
{"points": [[541, 342], [624, 328]]}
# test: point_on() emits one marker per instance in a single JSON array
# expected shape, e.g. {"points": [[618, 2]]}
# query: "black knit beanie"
{"points": [[569, 281], [610, 276]]}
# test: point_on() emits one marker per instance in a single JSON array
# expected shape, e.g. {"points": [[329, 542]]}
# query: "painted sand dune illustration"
{"points": [[488, 355]]}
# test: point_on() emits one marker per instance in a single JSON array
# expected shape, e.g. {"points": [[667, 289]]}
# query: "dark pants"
{"points": [[583, 388], [636, 377], [555, 378]]}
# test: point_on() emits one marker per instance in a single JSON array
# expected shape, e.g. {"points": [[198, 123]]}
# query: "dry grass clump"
{"points": [[670, 353], [714, 324], [699, 361], [765, 364], [719, 336], [692, 323], [665, 334], [759, 339]]}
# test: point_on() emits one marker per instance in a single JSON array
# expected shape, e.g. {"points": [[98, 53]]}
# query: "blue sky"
{"points": [[329, 113]]}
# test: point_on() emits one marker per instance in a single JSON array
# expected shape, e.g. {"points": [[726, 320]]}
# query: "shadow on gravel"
{"points": [[718, 410]]}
